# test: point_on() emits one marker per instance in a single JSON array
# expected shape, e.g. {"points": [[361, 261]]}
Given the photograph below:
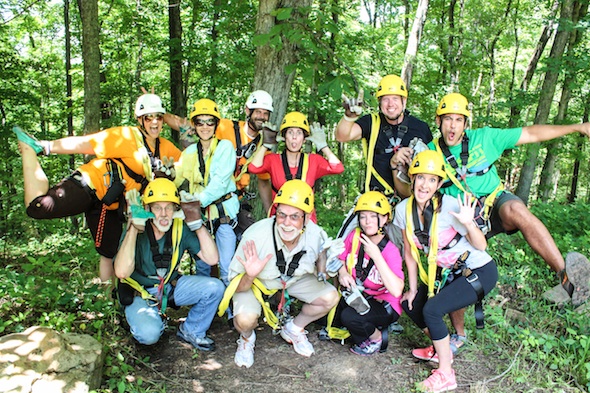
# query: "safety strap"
{"points": [[369, 153], [246, 151], [205, 166], [161, 260], [142, 180], [302, 168], [176, 229], [281, 263], [427, 277], [473, 279], [363, 272]]}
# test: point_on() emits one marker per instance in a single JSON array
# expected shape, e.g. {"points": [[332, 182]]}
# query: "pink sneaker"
{"points": [[438, 382], [428, 354]]}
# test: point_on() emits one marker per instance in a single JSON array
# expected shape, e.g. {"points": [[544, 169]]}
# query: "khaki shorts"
{"points": [[307, 289]]}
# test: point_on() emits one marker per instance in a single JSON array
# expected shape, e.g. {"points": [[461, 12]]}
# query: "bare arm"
{"points": [[545, 132], [208, 253], [347, 131], [331, 157], [125, 259], [258, 158], [412, 268]]}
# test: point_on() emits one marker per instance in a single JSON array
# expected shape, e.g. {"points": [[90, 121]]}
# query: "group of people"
{"points": [[147, 202]]}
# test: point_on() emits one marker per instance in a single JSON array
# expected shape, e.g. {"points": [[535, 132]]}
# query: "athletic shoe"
{"points": [[428, 354], [438, 382], [28, 140], [395, 328], [202, 343], [245, 352], [366, 348], [577, 268], [457, 343], [298, 337]]}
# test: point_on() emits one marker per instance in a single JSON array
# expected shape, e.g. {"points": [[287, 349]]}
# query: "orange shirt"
{"points": [[225, 130], [125, 143]]}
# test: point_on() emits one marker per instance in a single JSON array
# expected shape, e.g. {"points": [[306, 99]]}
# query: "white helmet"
{"points": [[259, 99], [148, 103]]}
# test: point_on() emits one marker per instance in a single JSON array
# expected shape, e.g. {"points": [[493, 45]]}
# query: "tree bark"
{"points": [[550, 172], [414, 41], [177, 93], [271, 63], [91, 58], [517, 101], [548, 90]]}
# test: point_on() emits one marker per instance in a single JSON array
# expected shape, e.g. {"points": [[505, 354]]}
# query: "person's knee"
{"points": [[147, 333], [245, 322], [328, 300], [515, 213]]}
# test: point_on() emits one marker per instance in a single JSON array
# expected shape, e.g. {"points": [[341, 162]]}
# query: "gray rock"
{"points": [[42, 360]]}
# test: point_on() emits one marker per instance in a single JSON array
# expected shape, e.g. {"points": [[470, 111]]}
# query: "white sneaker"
{"points": [[245, 352], [298, 337]]}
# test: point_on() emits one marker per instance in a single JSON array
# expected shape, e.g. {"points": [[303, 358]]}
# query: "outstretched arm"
{"points": [[545, 132]]}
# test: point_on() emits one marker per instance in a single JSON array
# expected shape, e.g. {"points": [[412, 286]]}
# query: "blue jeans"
{"points": [[225, 238], [203, 293]]}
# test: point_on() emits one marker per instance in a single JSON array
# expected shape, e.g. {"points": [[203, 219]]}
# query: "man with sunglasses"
{"points": [[280, 253], [127, 158]]}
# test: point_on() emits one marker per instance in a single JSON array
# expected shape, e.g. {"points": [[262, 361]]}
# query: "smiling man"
{"points": [[280, 253]]}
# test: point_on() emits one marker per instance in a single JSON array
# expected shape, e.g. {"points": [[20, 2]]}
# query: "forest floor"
{"points": [[333, 368]]}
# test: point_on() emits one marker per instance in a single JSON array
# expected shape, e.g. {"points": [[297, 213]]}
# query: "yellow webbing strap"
{"points": [[429, 277], [305, 166], [369, 153], [176, 237], [490, 199], [333, 332], [258, 289]]}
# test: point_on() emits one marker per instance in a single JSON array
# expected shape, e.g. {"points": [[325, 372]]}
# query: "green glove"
{"points": [[136, 213], [318, 136]]}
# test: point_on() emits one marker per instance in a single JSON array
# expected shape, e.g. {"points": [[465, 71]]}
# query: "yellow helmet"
{"points": [[296, 193], [373, 201], [295, 119], [161, 190], [391, 84], [453, 103], [430, 162], [205, 106]]}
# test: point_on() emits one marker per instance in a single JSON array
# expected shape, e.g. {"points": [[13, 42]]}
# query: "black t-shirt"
{"points": [[383, 146]]}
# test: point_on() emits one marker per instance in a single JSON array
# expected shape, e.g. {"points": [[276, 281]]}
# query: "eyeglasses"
{"points": [[153, 116], [292, 217], [206, 122], [157, 209]]}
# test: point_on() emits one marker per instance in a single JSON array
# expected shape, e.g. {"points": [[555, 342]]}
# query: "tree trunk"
{"points": [[550, 172], [271, 63], [177, 93], [548, 90], [91, 58], [414, 41], [517, 101]]}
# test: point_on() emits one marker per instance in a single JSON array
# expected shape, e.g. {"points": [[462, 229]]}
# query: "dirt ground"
{"points": [[333, 368]]}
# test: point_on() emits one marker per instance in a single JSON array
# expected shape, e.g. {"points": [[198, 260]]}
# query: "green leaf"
{"points": [[284, 13]]}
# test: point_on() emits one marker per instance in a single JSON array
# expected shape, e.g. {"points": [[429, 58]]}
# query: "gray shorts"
{"points": [[495, 220]]}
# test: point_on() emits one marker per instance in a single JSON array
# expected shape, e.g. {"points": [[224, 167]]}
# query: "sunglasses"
{"points": [[153, 116], [207, 122]]}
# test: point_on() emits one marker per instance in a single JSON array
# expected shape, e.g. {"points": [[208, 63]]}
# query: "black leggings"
{"points": [[362, 326], [429, 313]]}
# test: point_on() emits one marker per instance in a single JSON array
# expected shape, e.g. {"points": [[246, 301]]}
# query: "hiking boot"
{"points": [[438, 382], [29, 140], [298, 337], [428, 354], [577, 268], [366, 348], [395, 328], [202, 343], [457, 342], [245, 352], [323, 334]]}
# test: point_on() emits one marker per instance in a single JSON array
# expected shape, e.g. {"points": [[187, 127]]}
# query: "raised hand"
{"points": [[318, 136], [253, 265], [466, 208], [353, 107], [136, 213]]}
